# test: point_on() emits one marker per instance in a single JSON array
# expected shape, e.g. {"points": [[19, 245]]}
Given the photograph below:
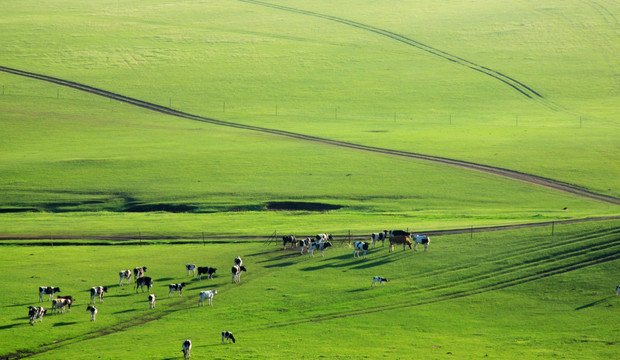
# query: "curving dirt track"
{"points": [[516, 175]]}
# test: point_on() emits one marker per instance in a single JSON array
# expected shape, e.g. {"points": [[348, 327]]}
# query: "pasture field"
{"points": [[506, 294]]}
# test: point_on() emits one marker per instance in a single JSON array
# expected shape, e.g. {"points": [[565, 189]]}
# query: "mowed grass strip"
{"points": [[524, 291]]}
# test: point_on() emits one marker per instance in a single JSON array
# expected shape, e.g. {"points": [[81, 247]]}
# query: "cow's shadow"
{"points": [[10, 326], [597, 302], [65, 323]]}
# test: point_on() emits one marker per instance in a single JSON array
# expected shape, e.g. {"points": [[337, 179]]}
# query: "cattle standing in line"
{"points": [[236, 273], [97, 291], [318, 246], [360, 246], [289, 239], [190, 267], [227, 336], [124, 274], [379, 279], [421, 239], [93, 311], [144, 281], [206, 270], [175, 287], [47, 290], [187, 349], [304, 244], [138, 272], [34, 312], [400, 239], [152, 299], [207, 294], [378, 237]]}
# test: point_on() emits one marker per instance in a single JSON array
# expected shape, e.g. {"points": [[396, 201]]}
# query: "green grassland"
{"points": [[510, 294]]}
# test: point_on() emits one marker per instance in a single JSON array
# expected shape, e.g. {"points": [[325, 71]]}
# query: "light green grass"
{"points": [[503, 294]]}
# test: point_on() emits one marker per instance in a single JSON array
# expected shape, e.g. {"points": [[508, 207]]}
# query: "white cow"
{"points": [[421, 239], [359, 246], [190, 268], [207, 294], [93, 312], [152, 299], [187, 349], [124, 274]]}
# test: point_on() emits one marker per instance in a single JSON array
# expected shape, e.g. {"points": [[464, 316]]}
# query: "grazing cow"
{"points": [[190, 267], [34, 312], [124, 274], [324, 237], [62, 303], [400, 239], [152, 299], [206, 270], [304, 244], [47, 290], [359, 246], [97, 291], [399, 233], [144, 281], [618, 290], [238, 261], [289, 239], [138, 272], [175, 287], [421, 239], [227, 336], [207, 294], [378, 237], [236, 273], [379, 279], [187, 349], [318, 246], [93, 311]]}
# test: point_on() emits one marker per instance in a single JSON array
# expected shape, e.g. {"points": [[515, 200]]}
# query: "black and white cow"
{"points": [[227, 336], [175, 287], [399, 233], [152, 299], [238, 261], [47, 290], [206, 270], [378, 237], [138, 272], [360, 246], [289, 239], [34, 312], [187, 349], [190, 268], [144, 281], [206, 294], [124, 274], [318, 246], [62, 303], [93, 311], [420, 239], [236, 273], [618, 290], [97, 291], [325, 237], [304, 244], [379, 279]]}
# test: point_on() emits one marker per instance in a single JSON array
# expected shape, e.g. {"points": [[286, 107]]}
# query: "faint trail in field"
{"points": [[519, 86], [516, 175]]}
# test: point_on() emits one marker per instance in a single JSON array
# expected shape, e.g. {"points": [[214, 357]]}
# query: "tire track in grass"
{"points": [[502, 172], [517, 85]]}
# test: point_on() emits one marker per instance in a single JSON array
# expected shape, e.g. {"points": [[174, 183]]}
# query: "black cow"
{"points": [[47, 290], [289, 239], [144, 281], [206, 270], [175, 287]]}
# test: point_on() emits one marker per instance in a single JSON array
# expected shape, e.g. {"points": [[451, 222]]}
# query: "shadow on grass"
{"points": [[597, 302], [10, 326], [282, 264], [125, 311], [64, 323]]}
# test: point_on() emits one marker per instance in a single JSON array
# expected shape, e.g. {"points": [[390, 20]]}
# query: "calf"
{"points": [[152, 299], [289, 239], [190, 268], [124, 274], [175, 287], [206, 270], [144, 281], [318, 246], [379, 279], [227, 336], [34, 312], [187, 349], [359, 246], [97, 291], [421, 239], [378, 237], [236, 273], [138, 272], [207, 294], [47, 290], [93, 311]]}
